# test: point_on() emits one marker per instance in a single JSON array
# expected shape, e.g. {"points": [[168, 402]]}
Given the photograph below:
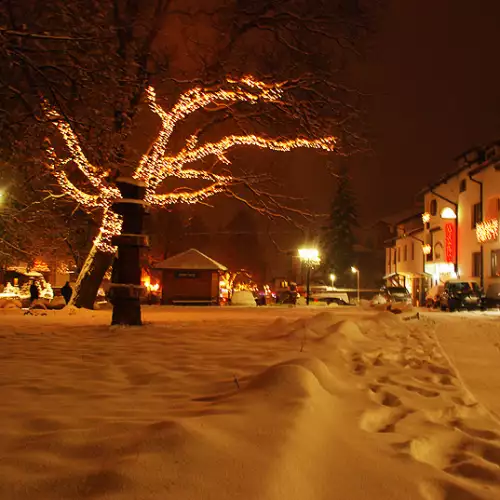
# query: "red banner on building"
{"points": [[450, 238]]}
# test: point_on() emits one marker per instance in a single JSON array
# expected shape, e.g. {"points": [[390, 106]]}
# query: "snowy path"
{"points": [[472, 342], [253, 404]]}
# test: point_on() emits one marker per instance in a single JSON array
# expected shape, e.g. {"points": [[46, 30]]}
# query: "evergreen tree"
{"points": [[338, 237]]}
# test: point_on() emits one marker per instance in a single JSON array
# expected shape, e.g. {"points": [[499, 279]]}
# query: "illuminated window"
{"points": [[492, 208], [495, 263], [433, 209], [476, 215], [476, 264]]}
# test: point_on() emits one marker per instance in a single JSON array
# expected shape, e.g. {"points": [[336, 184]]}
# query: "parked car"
{"points": [[432, 299], [339, 298], [396, 295], [459, 294], [492, 299]]}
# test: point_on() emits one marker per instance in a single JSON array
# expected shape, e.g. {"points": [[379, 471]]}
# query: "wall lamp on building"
{"points": [[310, 257], [426, 249], [448, 213]]}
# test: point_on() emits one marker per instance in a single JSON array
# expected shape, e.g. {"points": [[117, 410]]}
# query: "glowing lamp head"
{"points": [[333, 277], [448, 213], [354, 270], [426, 249], [311, 254]]}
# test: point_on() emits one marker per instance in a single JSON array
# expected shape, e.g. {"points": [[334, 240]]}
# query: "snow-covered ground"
{"points": [[260, 403]]}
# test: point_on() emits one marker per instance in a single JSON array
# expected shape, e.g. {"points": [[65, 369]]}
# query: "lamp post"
{"points": [[332, 278], [356, 271], [310, 257]]}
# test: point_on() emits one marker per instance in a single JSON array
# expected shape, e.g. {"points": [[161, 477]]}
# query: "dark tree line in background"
{"points": [[93, 59]]}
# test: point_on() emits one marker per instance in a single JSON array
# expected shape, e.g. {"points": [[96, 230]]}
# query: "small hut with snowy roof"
{"points": [[190, 277]]}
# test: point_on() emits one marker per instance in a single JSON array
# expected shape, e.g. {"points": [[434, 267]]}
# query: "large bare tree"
{"points": [[93, 62]]}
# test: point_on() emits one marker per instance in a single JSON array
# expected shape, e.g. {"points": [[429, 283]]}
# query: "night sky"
{"points": [[434, 74]]}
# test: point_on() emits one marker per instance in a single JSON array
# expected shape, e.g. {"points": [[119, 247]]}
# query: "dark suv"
{"points": [[461, 295]]}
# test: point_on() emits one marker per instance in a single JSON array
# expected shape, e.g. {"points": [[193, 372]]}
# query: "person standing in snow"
{"points": [[67, 292], [34, 292]]}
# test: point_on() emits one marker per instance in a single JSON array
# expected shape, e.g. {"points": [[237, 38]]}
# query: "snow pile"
{"points": [[240, 403], [243, 298]]}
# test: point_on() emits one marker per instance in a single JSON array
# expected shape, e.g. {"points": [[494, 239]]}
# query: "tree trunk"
{"points": [[90, 278], [126, 288]]}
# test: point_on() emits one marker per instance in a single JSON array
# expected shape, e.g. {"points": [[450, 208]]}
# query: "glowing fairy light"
{"points": [[155, 166], [487, 230], [111, 226]]}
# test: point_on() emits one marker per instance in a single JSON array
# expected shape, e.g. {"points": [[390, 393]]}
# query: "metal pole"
{"points": [[358, 289], [481, 201], [308, 281]]}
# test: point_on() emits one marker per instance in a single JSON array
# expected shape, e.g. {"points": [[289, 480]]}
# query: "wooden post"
{"points": [[126, 288]]}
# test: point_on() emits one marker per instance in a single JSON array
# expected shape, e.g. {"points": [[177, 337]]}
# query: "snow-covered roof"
{"points": [[22, 270], [191, 259]]}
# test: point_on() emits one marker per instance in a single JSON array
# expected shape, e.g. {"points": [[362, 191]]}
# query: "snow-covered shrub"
{"points": [[243, 298], [13, 304], [40, 304], [301, 301], [378, 300]]}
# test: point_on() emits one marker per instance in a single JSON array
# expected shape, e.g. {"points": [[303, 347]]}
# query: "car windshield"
{"points": [[465, 286], [397, 290]]}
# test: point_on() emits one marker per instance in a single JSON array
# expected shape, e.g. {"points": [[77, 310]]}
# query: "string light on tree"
{"points": [[156, 166]]}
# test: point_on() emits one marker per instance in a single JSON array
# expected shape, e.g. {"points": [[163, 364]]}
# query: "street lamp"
{"points": [[333, 278], [310, 257], [356, 271]]}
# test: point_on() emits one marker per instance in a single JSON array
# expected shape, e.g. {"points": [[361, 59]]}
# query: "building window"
{"points": [[476, 264], [394, 256], [412, 250], [405, 254], [476, 215], [399, 254], [492, 208], [463, 185], [495, 263], [433, 209]]}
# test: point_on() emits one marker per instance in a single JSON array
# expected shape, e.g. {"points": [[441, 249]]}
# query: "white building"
{"points": [[458, 229], [404, 255]]}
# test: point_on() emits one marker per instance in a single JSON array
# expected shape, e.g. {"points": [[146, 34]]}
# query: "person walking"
{"points": [[34, 292], [67, 292]]}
